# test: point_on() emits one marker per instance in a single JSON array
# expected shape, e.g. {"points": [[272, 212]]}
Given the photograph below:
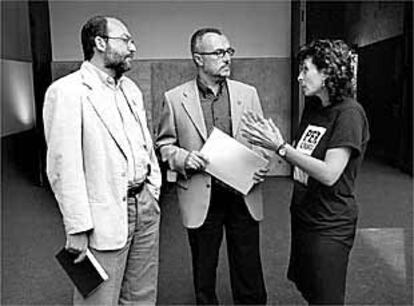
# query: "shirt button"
{"points": [[123, 174], [123, 199], [208, 185]]}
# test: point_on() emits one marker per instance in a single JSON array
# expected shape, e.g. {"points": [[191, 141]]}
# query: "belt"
{"points": [[134, 190]]}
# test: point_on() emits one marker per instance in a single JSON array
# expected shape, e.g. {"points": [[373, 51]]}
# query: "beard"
{"points": [[117, 63]]}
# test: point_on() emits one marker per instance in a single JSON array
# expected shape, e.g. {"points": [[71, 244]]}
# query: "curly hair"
{"points": [[335, 58]]}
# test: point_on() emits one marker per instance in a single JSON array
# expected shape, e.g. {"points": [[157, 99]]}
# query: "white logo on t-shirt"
{"points": [[306, 145]]}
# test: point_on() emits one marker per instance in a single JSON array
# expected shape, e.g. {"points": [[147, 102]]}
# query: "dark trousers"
{"points": [[318, 266], [228, 211]]}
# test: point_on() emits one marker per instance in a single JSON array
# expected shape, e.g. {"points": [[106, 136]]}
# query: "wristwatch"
{"points": [[281, 151]]}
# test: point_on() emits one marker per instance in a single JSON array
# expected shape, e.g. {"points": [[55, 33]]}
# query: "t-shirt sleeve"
{"points": [[350, 130]]}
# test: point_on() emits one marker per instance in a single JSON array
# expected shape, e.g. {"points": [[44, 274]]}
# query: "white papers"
{"points": [[231, 162]]}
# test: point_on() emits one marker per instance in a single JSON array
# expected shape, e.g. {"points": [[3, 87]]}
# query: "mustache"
{"points": [[130, 55]]}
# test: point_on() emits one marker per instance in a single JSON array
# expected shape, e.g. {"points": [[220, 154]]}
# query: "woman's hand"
{"points": [[261, 132]]}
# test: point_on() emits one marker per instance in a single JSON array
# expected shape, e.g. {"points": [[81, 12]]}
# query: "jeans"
{"points": [[132, 270]]}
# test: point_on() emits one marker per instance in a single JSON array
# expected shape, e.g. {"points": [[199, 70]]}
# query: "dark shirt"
{"points": [[216, 108], [330, 210], [216, 111]]}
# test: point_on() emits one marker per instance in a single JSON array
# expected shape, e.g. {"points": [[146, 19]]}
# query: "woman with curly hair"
{"points": [[326, 156]]}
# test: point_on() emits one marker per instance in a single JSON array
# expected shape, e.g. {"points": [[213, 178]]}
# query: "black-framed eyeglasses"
{"points": [[219, 52], [127, 40]]}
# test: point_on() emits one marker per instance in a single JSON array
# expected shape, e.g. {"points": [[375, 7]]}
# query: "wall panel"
{"points": [[17, 90], [15, 31], [271, 77]]}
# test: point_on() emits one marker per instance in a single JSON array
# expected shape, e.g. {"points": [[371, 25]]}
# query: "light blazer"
{"points": [[182, 129], [86, 161]]}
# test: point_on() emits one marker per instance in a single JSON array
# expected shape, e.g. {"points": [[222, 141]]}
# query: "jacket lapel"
{"points": [[191, 103], [105, 111], [236, 106]]}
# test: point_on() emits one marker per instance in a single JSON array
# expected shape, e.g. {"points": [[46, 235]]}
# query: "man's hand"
{"points": [[260, 175], [77, 244], [195, 161]]}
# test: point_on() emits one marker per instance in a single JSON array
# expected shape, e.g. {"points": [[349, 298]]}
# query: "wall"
{"points": [[360, 23], [324, 19], [17, 94], [382, 32], [373, 21], [163, 28], [259, 31]]}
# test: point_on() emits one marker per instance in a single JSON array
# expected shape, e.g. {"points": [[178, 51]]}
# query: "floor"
{"points": [[380, 271]]}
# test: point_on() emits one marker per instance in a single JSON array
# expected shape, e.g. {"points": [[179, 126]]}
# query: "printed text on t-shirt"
{"points": [[306, 145]]}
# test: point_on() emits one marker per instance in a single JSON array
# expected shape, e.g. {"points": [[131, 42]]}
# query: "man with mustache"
{"points": [[102, 166], [207, 205]]}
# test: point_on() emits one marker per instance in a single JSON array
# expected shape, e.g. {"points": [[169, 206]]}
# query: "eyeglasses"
{"points": [[219, 52], [127, 40]]}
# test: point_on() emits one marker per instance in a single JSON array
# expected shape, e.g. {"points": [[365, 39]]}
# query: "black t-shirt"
{"points": [[331, 210]]}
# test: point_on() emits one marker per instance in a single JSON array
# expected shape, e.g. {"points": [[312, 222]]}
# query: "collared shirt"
{"points": [[216, 108], [137, 154]]}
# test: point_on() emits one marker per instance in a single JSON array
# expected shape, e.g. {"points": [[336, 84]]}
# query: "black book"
{"points": [[86, 275]]}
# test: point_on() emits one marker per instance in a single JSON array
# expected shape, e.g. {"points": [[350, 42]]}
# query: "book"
{"points": [[231, 161], [86, 275]]}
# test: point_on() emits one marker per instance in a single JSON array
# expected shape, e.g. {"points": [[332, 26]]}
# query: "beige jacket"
{"points": [[182, 129], [86, 160]]}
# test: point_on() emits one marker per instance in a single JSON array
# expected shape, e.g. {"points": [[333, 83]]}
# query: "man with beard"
{"points": [[102, 167], [207, 205]]}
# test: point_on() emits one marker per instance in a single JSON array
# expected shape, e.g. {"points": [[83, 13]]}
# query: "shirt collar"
{"points": [[205, 90], [102, 76]]}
